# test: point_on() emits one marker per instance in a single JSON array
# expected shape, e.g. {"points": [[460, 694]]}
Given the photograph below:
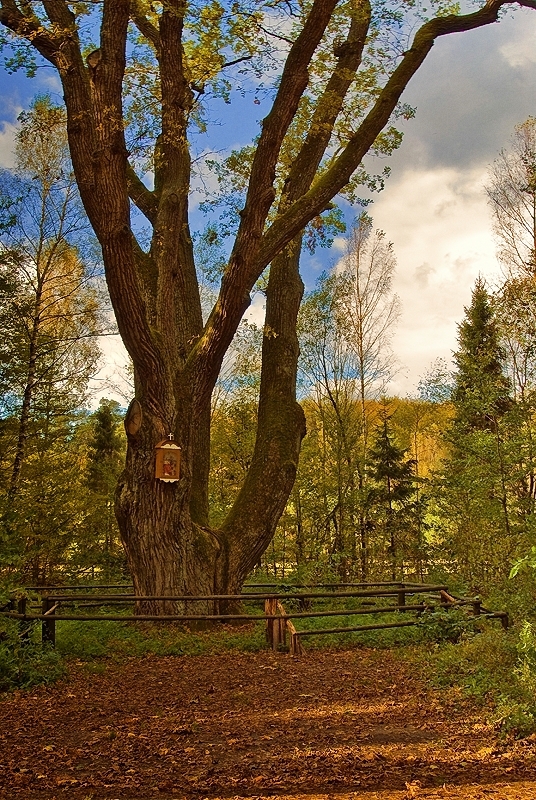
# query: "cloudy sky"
{"points": [[470, 93]]}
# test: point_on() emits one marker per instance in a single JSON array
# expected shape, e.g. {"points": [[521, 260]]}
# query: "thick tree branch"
{"points": [[329, 106], [59, 13], [142, 197], [30, 28], [237, 281], [293, 83], [179, 317], [111, 219], [145, 27], [113, 36]]}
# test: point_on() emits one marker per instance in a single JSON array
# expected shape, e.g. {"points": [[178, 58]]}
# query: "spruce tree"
{"points": [[482, 391], [106, 448], [477, 526], [99, 543]]}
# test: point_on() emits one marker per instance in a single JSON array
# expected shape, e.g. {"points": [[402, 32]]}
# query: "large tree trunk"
{"points": [[170, 549]]}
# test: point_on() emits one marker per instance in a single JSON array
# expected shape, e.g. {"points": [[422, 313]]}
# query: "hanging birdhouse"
{"points": [[168, 460]]}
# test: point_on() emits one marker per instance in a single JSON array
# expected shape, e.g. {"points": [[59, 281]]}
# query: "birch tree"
{"points": [[54, 312]]}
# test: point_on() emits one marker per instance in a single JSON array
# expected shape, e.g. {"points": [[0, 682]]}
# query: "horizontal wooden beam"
{"points": [[253, 596], [358, 628]]}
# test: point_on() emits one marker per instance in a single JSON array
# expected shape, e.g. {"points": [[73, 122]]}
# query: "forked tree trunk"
{"points": [[171, 549]]}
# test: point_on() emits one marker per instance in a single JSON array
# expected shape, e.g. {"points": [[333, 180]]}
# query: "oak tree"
{"points": [[180, 54]]}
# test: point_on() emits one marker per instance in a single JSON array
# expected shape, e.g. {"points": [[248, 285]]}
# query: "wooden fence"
{"points": [[54, 604]]}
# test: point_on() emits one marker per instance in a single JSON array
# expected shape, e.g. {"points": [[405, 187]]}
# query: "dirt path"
{"points": [[335, 725]]}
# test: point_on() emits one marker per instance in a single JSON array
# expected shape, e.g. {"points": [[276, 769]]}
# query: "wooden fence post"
{"points": [[283, 623], [276, 632], [477, 603], [24, 625], [295, 644], [48, 626], [272, 625], [402, 600]]}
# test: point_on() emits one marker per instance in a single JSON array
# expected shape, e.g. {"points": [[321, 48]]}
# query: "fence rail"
{"points": [[278, 619]]}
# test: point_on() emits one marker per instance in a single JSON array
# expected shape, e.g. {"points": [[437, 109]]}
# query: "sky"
{"points": [[471, 91]]}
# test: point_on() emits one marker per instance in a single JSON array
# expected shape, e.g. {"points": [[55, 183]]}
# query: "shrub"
{"points": [[25, 662], [496, 668], [519, 717], [447, 626]]}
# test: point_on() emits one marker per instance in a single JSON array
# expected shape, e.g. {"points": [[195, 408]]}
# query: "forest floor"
{"points": [[341, 725]]}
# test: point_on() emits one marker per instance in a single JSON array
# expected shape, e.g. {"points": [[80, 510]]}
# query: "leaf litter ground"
{"points": [[343, 725]]}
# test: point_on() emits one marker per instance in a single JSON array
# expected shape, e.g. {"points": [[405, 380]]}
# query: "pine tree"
{"points": [[106, 448], [394, 475], [99, 544]]}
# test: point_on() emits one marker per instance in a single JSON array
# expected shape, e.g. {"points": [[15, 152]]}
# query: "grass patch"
{"points": [[430, 626], [88, 641], [112, 639]]}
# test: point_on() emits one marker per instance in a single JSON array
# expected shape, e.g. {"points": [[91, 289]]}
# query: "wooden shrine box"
{"points": [[168, 460]]}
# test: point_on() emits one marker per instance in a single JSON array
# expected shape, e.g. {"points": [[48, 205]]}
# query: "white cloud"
{"points": [[519, 51], [439, 223], [8, 129], [339, 244], [257, 310], [422, 274], [112, 381], [7, 145]]}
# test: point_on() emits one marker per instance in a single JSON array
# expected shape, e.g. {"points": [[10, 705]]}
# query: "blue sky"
{"points": [[470, 93]]}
